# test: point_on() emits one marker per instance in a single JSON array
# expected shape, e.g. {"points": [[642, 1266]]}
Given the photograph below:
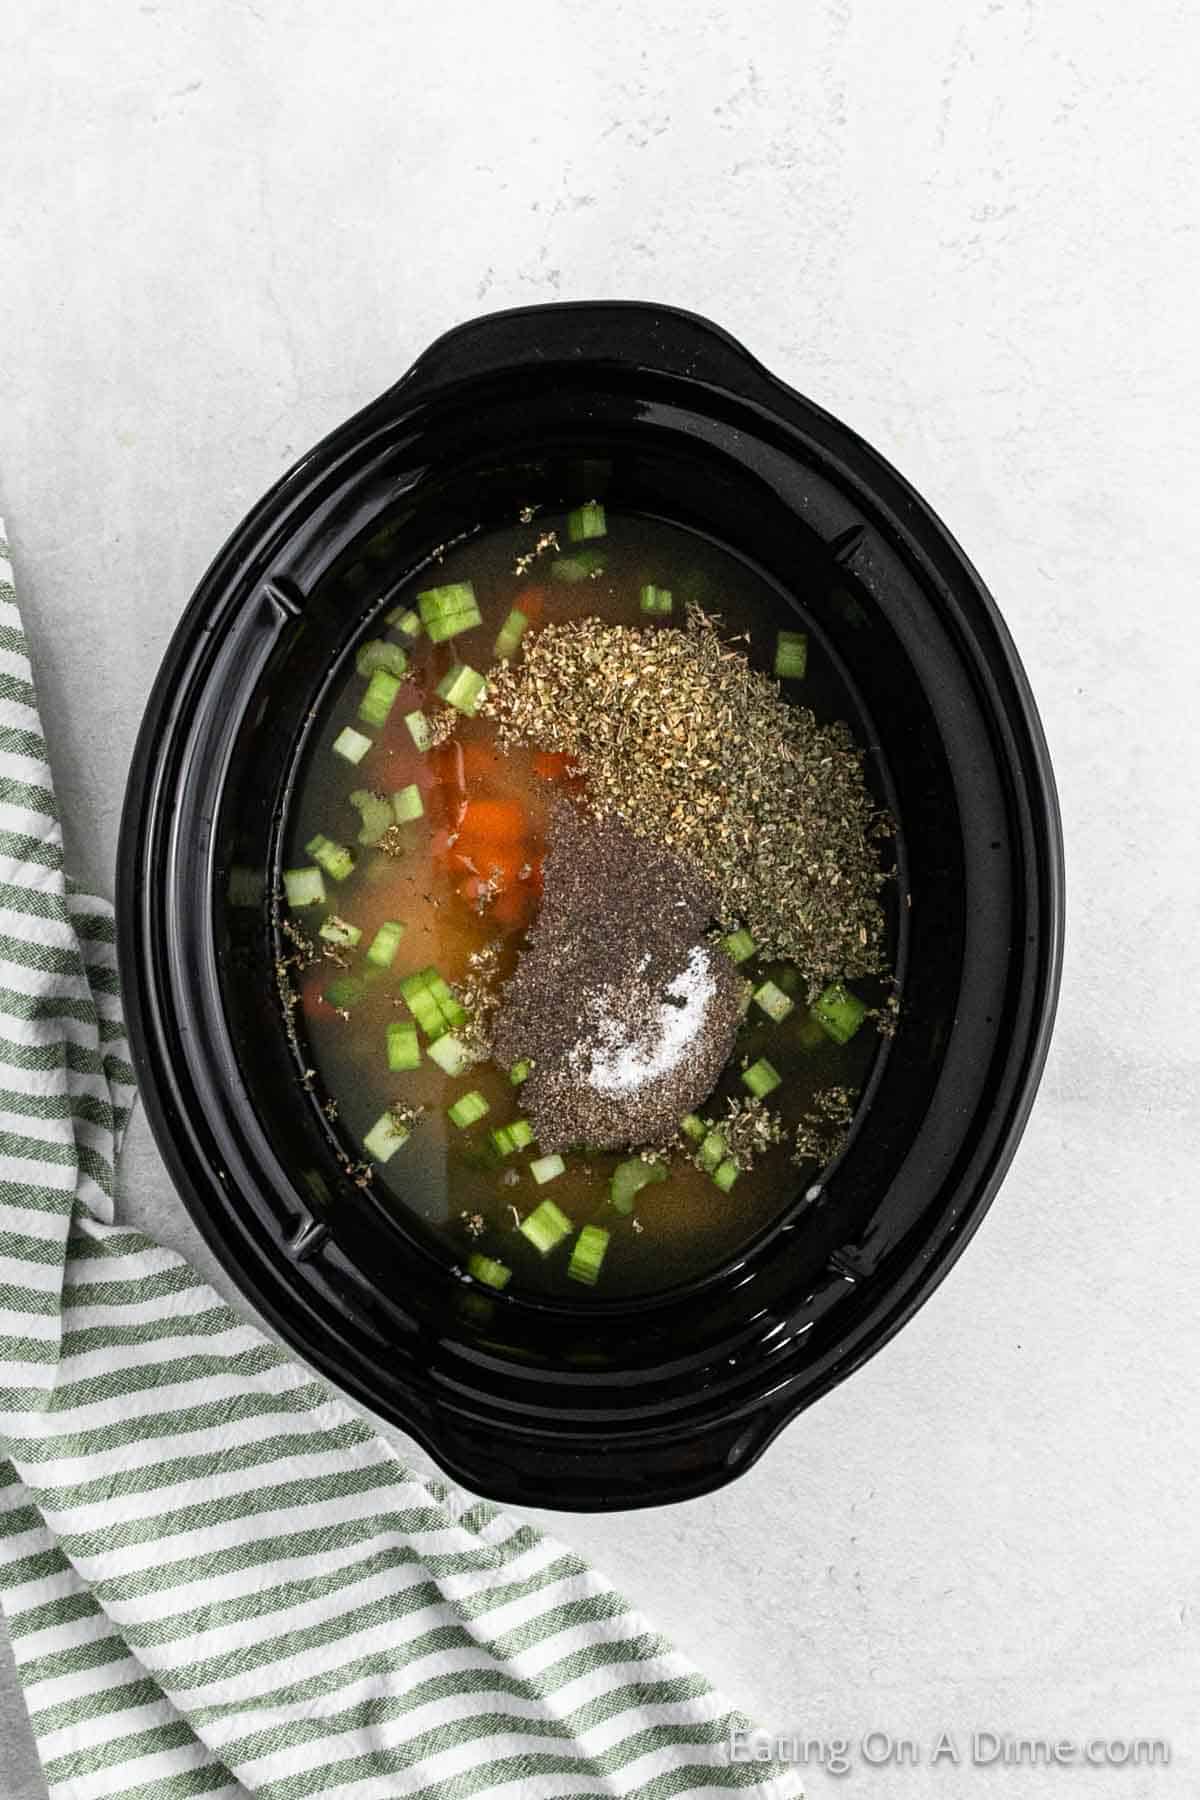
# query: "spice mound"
{"points": [[681, 738], [619, 1001]]}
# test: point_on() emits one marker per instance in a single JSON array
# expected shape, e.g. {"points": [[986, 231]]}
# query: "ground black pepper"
{"points": [[624, 1008]]}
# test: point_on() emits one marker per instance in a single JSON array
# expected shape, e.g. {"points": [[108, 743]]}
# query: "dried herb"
{"points": [[697, 751], [821, 1133]]}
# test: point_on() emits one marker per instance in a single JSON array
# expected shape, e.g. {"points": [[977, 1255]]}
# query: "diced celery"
{"points": [[345, 992], [578, 567], [546, 1226], [335, 859], [418, 729], [762, 1078], [339, 931], [739, 945], [656, 600], [521, 1133], [379, 654], [379, 698], [351, 744], [385, 943], [468, 1109], [404, 620], [451, 1009], [403, 1050], [838, 1011], [629, 1178], [547, 1168], [520, 1071], [462, 687], [493, 1274], [791, 655], [587, 1254], [725, 1174], [445, 611], [385, 1137], [421, 1003], [376, 813], [586, 521], [407, 804], [508, 638], [501, 1136], [304, 887], [773, 1001], [712, 1151], [693, 1126], [450, 1054]]}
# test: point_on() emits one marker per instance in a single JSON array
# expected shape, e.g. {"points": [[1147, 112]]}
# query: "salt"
{"points": [[625, 1064]]}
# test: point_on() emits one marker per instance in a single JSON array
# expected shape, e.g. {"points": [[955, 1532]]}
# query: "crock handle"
{"points": [[620, 333]]}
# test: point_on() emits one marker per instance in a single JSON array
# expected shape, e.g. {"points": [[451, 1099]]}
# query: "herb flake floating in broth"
{"points": [[695, 750]]}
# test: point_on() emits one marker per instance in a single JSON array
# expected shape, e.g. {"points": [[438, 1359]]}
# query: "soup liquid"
{"points": [[486, 809]]}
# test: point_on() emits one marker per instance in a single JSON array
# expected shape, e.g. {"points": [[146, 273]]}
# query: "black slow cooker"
{"points": [[620, 1404]]}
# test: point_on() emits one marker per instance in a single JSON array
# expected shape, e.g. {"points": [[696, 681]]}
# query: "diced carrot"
{"points": [[532, 602], [493, 821]]}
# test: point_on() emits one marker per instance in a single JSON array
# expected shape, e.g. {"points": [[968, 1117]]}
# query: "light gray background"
{"points": [[969, 229]]}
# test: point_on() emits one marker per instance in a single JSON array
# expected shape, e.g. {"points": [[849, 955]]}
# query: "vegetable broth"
{"points": [[464, 875]]}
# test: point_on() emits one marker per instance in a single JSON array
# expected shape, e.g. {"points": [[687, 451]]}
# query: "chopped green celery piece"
{"points": [[547, 1168], [468, 1109], [578, 567], [810, 1033], [351, 744], [304, 887], [418, 729], [345, 992], [521, 1133], [450, 1054], [422, 1005], [404, 620], [376, 813], [629, 1178], [725, 1174], [586, 521], [379, 698], [339, 931], [407, 804], [385, 943], [379, 654], [335, 859], [791, 655], [509, 636], [501, 1136], [546, 1226], [712, 1151], [452, 1010], [693, 1126], [520, 1071], [445, 611], [403, 1050], [656, 600], [486, 1269], [762, 1078], [587, 1254], [385, 1137], [462, 687], [839, 1012], [739, 945], [773, 1001]]}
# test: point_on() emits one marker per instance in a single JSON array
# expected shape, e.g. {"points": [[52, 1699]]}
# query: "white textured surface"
{"points": [[971, 230]]}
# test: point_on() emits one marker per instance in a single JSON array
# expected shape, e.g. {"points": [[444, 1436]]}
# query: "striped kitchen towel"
{"points": [[218, 1579]]}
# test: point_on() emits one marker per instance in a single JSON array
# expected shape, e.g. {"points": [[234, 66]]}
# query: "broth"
{"points": [[464, 881]]}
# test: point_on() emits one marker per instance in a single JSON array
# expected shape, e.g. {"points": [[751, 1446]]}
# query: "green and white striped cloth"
{"points": [[218, 1579]]}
